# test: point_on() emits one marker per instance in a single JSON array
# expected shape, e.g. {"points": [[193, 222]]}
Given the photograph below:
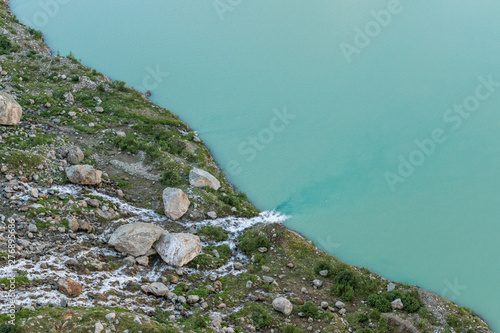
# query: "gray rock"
{"points": [[32, 228], [397, 304], [84, 175], [176, 203], [212, 215], [34, 192], [136, 238], [340, 305], [73, 225], [317, 283], [283, 305], [201, 178], [249, 284], [10, 110], [158, 289], [323, 273], [110, 316], [69, 98], [74, 155], [178, 249], [215, 319], [193, 299], [390, 287], [98, 328], [143, 260], [267, 279]]}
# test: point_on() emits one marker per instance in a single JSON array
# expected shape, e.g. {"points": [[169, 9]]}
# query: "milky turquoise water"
{"points": [[347, 114]]}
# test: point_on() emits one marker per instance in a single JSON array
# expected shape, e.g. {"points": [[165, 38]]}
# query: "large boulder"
{"points": [[176, 203], [178, 249], [283, 305], [84, 175], [135, 239], [10, 110], [73, 155], [201, 178], [69, 287]]}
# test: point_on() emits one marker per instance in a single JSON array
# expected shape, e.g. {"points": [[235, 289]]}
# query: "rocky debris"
{"points": [[84, 175], [136, 238], [68, 98], [73, 154], [69, 287], [201, 178], [178, 249], [283, 305], [10, 110], [84, 83], [400, 324], [215, 319], [176, 203], [397, 304]]}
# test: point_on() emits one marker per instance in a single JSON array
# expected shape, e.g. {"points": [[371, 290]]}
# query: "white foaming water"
{"points": [[116, 281]]}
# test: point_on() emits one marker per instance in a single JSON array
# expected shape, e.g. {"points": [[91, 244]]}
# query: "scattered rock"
{"points": [[340, 305], [84, 175], [136, 238], [193, 299], [178, 249], [69, 287], [397, 304], [73, 155], [176, 203], [10, 110], [201, 178], [283, 305]]}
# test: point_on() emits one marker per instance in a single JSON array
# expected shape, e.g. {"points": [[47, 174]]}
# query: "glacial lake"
{"points": [[374, 124]]}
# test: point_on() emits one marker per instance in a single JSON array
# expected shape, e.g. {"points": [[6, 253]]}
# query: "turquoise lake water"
{"points": [[375, 124]]}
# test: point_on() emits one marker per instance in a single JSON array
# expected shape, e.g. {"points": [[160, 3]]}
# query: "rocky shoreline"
{"points": [[122, 222]]}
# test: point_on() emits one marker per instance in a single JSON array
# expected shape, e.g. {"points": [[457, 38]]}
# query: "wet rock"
{"points": [[178, 249], [69, 287], [283, 305], [176, 203], [136, 238], [10, 110], [157, 289], [84, 175], [201, 178]]}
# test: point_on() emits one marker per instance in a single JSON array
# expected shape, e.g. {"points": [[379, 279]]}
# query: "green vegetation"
{"points": [[251, 241], [6, 46], [216, 234]]}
